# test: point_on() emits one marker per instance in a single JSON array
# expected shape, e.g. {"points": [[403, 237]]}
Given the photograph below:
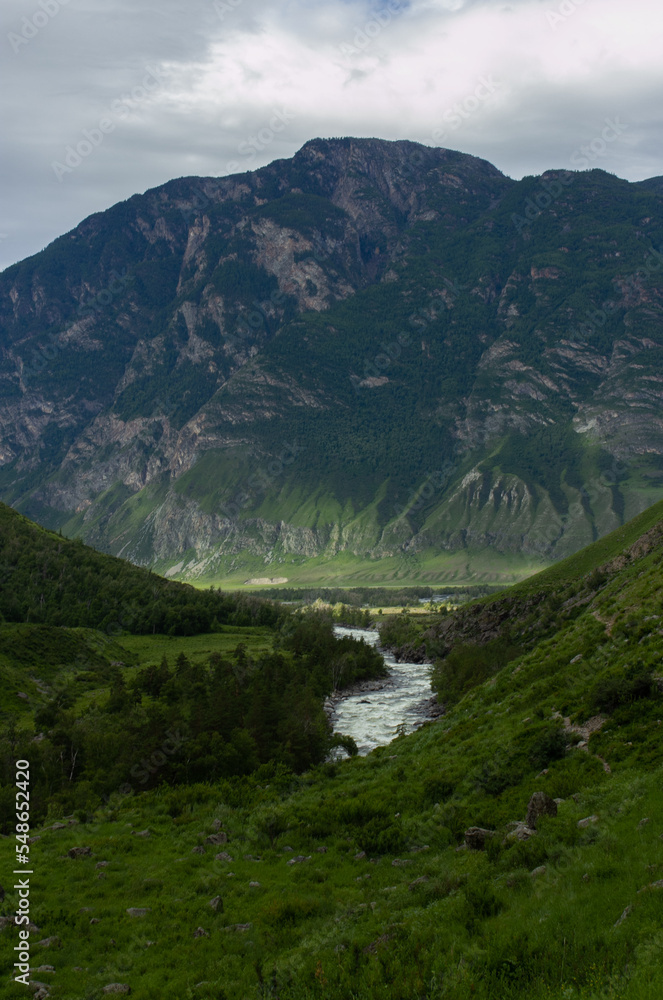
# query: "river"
{"points": [[376, 711]]}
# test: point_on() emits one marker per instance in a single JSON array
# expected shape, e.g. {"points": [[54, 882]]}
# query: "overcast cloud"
{"points": [[211, 87]]}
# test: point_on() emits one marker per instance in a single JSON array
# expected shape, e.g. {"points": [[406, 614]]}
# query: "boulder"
{"points": [[80, 852], [519, 831], [39, 990], [539, 805], [217, 838], [476, 837]]}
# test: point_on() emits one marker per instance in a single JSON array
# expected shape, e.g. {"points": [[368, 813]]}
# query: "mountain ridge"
{"points": [[458, 386]]}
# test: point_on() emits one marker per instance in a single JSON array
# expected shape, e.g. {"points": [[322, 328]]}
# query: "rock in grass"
{"points": [[50, 942], [216, 904], [298, 859], [218, 838], [216, 825], [539, 805], [623, 916], [46, 968], [519, 831], [419, 881], [117, 988], [582, 823], [541, 870], [476, 837], [198, 850], [80, 852], [200, 932], [223, 856], [138, 911]]}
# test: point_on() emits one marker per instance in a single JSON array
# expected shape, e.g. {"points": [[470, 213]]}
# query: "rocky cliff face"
{"points": [[376, 348]]}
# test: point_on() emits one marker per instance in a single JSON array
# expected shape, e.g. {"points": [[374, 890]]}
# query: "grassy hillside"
{"points": [[46, 579], [356, 879]]}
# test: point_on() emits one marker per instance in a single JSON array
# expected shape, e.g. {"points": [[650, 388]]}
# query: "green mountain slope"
{"points": [[375, 358], [49, 580], [412, 872]]}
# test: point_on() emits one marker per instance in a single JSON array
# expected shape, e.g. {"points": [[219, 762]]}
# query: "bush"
{"points": [[547, 746], [468, 665], [619, 689], [376, 838]]}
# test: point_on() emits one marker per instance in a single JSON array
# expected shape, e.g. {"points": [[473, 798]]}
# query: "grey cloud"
{"points": [[257, 54]]}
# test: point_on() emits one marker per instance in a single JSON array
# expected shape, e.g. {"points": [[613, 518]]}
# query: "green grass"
{"points": [[347, 570], [447, 924], [149, 649]]}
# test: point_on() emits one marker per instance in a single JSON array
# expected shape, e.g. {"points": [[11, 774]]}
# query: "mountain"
{"points": [[374, 361], [511, 849]]}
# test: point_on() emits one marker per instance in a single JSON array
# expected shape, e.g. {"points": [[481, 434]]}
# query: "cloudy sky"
{"points": [[106, 98]]}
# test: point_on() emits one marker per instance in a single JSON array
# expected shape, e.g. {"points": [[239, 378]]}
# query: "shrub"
{"points": [[623, 688], [468, 665]]}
